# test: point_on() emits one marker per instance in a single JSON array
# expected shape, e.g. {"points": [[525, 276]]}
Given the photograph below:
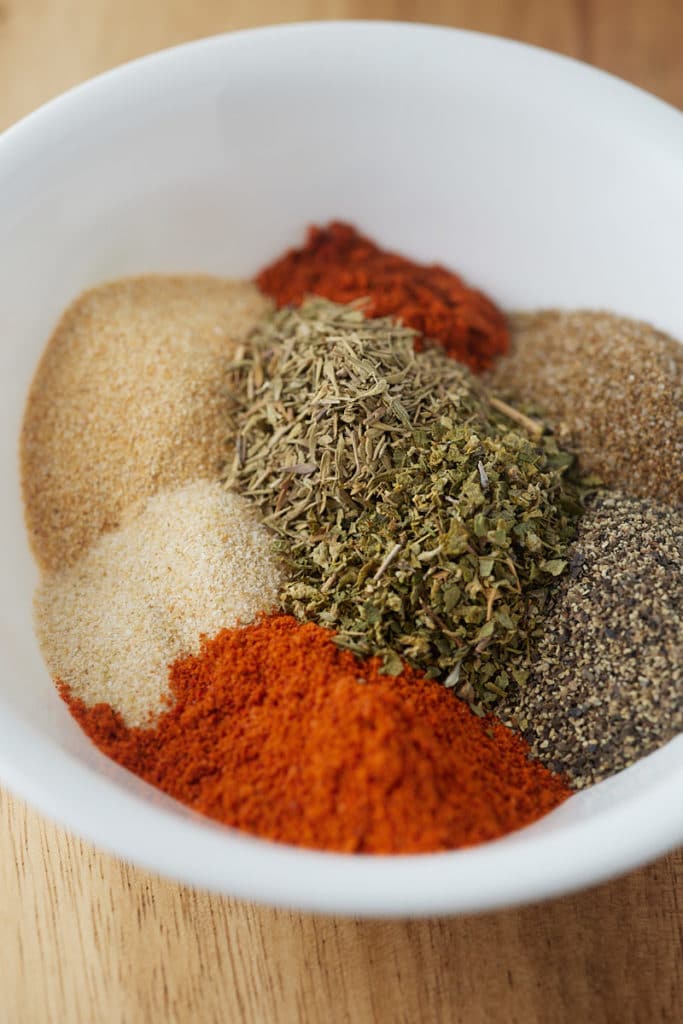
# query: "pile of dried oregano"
{"points": [[417, 517]]}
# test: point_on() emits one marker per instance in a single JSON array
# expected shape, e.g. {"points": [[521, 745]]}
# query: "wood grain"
{"points": [[85, 938]]}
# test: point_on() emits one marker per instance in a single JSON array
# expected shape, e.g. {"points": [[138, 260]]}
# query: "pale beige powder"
{"points": [[128, 400], [194, 561]]}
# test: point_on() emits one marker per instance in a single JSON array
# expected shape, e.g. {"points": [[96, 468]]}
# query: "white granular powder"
{"points": [[194, 561], [129, 399]]}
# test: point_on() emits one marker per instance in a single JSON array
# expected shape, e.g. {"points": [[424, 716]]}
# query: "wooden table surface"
{"points": [[87, 939]]}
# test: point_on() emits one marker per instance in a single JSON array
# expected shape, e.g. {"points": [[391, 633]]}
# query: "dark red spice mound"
{"points": [[275, 730], [339, 264]]}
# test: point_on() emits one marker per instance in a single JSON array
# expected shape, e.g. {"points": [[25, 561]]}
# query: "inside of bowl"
{"points": [[497, 164]]}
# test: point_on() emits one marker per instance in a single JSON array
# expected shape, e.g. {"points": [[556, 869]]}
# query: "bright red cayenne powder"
{"points": [[338, 263], [275, 730]]}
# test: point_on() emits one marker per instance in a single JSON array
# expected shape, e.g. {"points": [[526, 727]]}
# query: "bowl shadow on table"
{"points": [[554, 961], [559, 960], [148, 948]]}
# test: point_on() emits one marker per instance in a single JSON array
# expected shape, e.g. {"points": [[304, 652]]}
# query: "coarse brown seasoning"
{"points": [[128, 400], [606, 685], [613, 390]]}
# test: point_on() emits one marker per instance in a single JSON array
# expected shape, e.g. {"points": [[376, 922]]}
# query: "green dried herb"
{"points": [[416, 518]]}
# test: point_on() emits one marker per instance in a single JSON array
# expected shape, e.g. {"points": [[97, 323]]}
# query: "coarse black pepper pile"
{"points": [[605, 684]]}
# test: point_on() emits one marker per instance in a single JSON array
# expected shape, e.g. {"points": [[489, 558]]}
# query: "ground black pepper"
{"points": [[605, 683]]}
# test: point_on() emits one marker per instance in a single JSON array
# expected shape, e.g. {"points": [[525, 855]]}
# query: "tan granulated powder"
{"points": [[612, 388], [128, 400], [194, 561]]}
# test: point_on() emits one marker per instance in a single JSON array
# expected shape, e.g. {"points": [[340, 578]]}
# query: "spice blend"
{"points": [[201, 456], [338, 263], [415, 519], [276, 731]]}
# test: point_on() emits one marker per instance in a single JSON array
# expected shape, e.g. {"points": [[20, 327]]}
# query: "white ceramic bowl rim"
{"points": [[584, 851]]}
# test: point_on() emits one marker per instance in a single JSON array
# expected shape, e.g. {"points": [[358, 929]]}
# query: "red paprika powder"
{"points": [[338, 263], [275, 730]]}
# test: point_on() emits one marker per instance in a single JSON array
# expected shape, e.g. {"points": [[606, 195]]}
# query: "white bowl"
{"points": [[544, 182]]}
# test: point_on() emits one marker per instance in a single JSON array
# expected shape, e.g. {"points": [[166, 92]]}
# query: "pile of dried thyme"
{"points": [[419, 518]]}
